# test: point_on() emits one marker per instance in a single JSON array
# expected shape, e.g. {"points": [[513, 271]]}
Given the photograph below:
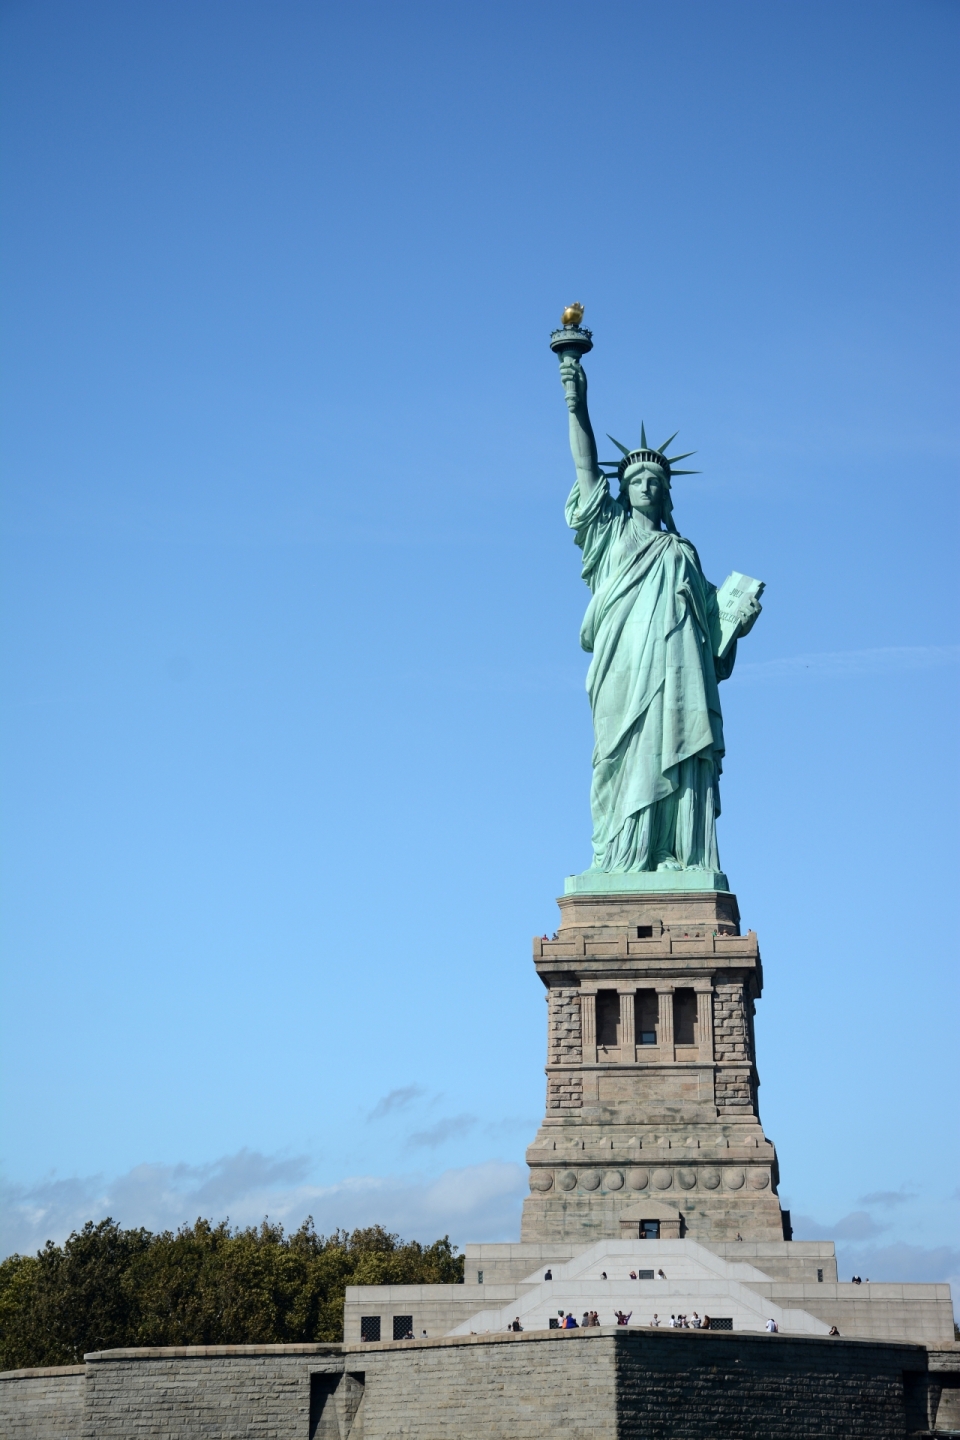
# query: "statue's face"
{"points": [[646, 485]]}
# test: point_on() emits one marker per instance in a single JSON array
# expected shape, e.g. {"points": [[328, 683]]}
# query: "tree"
{"points": [[107, 1288]]}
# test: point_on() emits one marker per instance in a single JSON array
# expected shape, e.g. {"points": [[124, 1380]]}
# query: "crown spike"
{"points": [[685, 472], [643, 438], [663, 448], [622, 448], [686, 456]]}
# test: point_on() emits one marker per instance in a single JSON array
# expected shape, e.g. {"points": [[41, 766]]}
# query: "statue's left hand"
{"points": [[747, 625]]}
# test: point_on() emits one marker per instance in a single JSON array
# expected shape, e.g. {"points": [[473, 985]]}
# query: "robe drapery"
{"points": [[653, 629]]}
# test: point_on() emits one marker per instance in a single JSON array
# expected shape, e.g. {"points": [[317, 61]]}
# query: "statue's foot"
{"points": [[669, 865]]}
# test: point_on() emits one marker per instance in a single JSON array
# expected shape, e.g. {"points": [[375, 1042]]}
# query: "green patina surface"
{"points": [[639, 882], [660, 650]]}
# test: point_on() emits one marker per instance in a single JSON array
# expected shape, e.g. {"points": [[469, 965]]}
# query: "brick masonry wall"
{"points": [[565, 1094], [734, 1091], [521, 1387], [42, 1404], [730, 1027], [217, 1391], [608, 1384], [564, 1042], [564, 1047], [642, 1385], [754, 1388], [733, 1047]]}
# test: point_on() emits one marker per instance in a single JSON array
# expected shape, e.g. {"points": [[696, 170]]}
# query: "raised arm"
{"points": [[583, 445]]}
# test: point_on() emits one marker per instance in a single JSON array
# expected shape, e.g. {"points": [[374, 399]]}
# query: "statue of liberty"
{"points": [[660, 643]]}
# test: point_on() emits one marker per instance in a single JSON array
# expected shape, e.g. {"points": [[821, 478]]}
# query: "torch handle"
{"points": [[570, 386], [573, 341]]}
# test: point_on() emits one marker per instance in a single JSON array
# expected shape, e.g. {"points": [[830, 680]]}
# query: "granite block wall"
{"points": [[598, 1384], [756, 1388], [213, 1392], [42, 1404], [517, 1386]]}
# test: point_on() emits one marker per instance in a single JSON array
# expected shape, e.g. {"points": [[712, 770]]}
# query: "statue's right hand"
{"points": [[574, 379]]}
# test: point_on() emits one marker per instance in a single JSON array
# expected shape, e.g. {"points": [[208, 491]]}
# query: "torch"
{"points": [[573, 340]]}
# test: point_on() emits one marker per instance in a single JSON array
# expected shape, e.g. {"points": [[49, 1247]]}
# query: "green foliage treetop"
{"points": [[107, 1288]]}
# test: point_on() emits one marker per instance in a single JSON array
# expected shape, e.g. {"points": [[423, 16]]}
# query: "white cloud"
{"points": [[858, 1225], [858, 1252], [475, 1202], [887, 1197], [396, 1100], [449, 1128], [840, 664]]}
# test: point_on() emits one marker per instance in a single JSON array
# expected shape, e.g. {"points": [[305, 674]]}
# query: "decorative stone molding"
{"points": [[730, 1177]]}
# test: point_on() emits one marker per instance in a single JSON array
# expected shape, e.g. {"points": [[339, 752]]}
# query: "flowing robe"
{"points": [[653, 629]]}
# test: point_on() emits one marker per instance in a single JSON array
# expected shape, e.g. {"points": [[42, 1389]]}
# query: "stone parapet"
{"points": [[604, 1383], [42, 1404]]}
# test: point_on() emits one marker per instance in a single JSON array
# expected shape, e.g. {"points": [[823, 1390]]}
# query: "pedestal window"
{"points": [[608, 1018], [685, 1017], [647, 1010]]}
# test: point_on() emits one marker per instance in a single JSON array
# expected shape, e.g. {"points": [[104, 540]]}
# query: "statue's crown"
{"points": [[650, 455]]}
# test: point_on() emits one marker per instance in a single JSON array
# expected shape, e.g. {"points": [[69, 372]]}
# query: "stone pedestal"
{"points": [[653, 1189], [652, 1125]]}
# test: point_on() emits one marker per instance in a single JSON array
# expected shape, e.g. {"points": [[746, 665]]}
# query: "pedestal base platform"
{"points": [[644, 882]]}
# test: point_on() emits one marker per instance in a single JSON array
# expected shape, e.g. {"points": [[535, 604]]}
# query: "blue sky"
{"points": [[296, 745]]}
